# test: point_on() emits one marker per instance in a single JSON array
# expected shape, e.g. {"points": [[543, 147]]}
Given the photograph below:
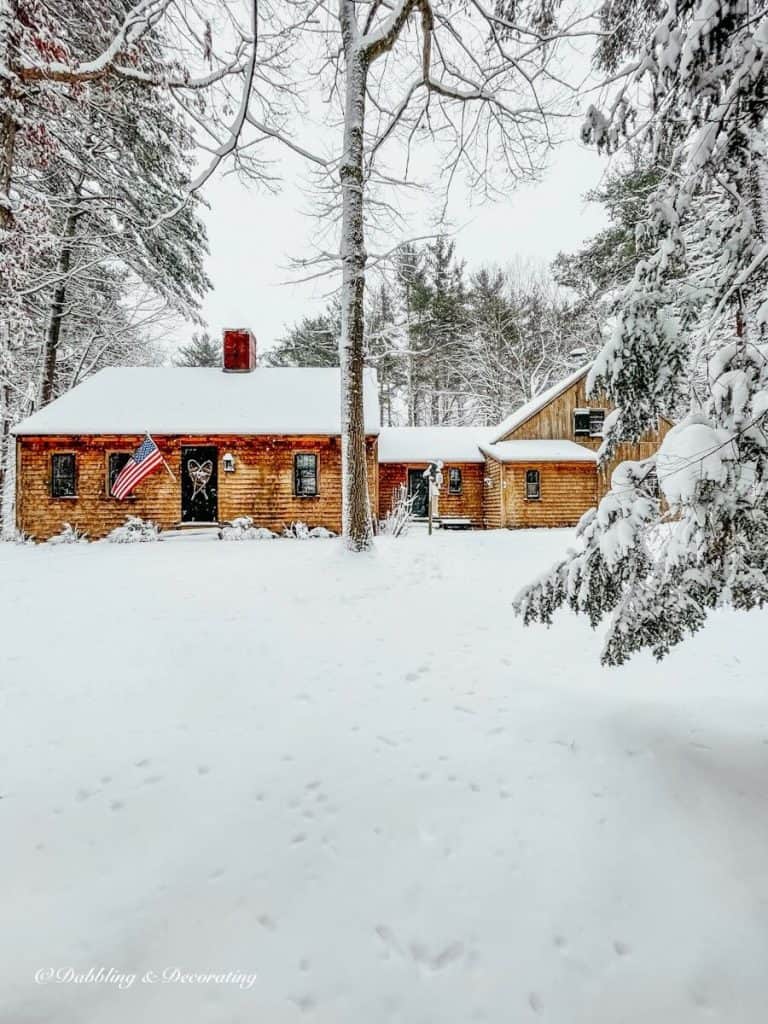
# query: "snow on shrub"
{"points": [[69, 535], [18, 537], [134, 530], [242, 528], [300, 531], [398, 518]]}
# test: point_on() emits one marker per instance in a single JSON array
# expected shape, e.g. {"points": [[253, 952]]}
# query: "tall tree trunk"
{"points": [[356, 512], [7, 118], [56, 318]]}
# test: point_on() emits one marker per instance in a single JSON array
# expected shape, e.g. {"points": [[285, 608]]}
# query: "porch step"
{"points": [[456, 523], [202, 531]]}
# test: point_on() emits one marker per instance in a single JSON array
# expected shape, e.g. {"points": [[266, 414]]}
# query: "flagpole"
{"points": [[170, 472]]}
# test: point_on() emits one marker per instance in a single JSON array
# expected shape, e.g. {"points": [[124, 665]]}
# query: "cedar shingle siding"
{"points": [[262, 485]]}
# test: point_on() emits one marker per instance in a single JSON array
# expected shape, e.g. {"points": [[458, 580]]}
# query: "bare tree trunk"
{"points": [[356, 512], [56, 318], [7, 120]]}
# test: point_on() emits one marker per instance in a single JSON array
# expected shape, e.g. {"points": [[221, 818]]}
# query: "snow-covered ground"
{"points": [[360, 783]]}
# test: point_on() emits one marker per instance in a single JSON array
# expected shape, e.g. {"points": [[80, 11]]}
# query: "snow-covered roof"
{"points": [[530, 408], [538, 451], [423, 444], [196, 400]]}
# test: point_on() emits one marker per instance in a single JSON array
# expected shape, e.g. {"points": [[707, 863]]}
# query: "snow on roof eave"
{"points": [[199, 402], [421, 445], [529, 409], [532, 450]]}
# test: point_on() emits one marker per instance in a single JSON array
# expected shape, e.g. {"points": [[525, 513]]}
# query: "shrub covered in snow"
{"points": [[300, 531], [397, 520], [242, 528], [17, 537], [69, 535], [134, 530]]}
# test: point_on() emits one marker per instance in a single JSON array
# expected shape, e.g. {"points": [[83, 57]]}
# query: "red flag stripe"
{"points": [[129, 484], [133, 473], [136, 474], [131, 470]]}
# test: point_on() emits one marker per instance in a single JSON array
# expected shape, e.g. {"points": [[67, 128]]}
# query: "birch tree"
{"points": [[481, 84]]}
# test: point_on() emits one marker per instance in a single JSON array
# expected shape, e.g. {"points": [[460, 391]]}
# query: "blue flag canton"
{"points": [[144, 450]]}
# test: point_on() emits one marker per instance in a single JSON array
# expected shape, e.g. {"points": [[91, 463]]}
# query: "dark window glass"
{"points": [[532, 484], [305, 475], [116, 462], [581, 422], [596, 421], [454, 481], [651, 484], [63, 475]]}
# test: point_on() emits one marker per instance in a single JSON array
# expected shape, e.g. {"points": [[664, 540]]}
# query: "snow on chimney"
{"points": [[239, 350]]}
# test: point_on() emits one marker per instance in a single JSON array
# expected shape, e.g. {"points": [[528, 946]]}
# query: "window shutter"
{"points": [[581, 418]]}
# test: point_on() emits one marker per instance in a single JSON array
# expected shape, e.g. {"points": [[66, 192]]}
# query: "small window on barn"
{"points": [[63, 482], [454, 481], [532, 484], [596, 421], [305, 475], [581, 420], [115, 463]]}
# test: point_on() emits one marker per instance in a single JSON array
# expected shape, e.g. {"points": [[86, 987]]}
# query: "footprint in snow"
{"points": [[535, 1002]]}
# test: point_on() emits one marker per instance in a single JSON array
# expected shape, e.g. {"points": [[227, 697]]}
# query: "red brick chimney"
{"points": [[239, 350]]}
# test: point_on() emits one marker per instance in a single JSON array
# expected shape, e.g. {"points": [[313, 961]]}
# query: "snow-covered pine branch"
{"points": [[689, 338]]}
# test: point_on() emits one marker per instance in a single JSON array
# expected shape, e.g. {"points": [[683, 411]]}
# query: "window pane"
{"points": [[596, 420], [581, 419], [116, 462], [63, 475], [305, 475], [454, 481], [532, 488]]}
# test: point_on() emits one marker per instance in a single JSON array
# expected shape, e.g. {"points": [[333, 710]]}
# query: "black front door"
{"points": [[418, 489], [199, 485]]}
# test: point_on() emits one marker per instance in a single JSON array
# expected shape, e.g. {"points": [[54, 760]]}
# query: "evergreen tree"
{"points": [[312, 342], [201, 351], [690, 334]]}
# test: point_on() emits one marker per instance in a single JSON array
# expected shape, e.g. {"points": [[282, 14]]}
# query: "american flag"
{"points": [[145, 460]]}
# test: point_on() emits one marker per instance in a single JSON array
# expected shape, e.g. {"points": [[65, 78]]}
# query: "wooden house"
{"points": [[542, 463], [404, 454], [245, 440], [265, 442], [536, 468]]}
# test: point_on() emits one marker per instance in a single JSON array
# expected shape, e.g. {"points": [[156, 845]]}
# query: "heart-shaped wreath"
{"points": [[199, 474]]}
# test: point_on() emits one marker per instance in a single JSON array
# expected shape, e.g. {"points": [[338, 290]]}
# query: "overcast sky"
{"points": [[253, 235]]}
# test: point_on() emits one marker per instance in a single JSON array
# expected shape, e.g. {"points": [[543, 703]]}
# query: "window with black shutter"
{"points": [[532, 484], [63, 482], [305, 475], [596, 421], [581, 418], [115, 463], [454, 481]]}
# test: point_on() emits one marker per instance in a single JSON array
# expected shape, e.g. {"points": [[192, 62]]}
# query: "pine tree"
{"points": [[201, 351], [690, 335]]}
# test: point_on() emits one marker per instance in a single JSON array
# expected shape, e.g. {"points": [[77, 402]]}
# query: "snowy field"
{"points": [[359, 783]]}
